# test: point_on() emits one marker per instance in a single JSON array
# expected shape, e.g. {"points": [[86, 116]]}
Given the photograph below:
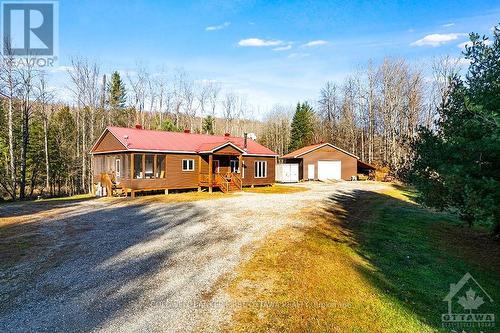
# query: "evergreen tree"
{"points": [[302, 127], [208, 125], [456, 167], [168, 125], [117, 92]]}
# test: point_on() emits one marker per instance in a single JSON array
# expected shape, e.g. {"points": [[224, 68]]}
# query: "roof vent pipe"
{"points": [[227, 135], [187, 131], [138, 126]]}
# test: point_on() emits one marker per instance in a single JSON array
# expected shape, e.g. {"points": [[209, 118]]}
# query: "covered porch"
{"points": [[222, 169]]}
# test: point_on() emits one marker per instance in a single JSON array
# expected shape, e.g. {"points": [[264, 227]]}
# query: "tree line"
{"points": [[374, 113], [45, 142]]}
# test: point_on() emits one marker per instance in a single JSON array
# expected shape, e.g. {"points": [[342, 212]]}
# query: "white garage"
{"points": [[329, 170]]}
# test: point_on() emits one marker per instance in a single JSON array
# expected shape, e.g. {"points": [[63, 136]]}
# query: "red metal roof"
{"points": [[306, 149], [147, 140]]}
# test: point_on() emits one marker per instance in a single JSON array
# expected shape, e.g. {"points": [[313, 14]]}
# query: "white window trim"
{"points": [[118, 168], [242, 169], [265, 169], [188, 169]]}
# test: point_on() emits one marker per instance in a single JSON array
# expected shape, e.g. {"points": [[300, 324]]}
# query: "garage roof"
{"points": [[307, 149]]}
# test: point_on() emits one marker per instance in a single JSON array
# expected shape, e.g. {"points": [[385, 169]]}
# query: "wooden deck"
{"points": [[228, 182]]}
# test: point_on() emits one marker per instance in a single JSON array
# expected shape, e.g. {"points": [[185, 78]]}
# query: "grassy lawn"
{"points": [[376, 263], [276, 189]]}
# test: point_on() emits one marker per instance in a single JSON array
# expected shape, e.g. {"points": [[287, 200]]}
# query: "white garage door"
{"points": [[329, 170]]}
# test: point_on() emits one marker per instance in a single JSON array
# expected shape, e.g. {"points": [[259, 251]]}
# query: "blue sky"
{"points": [[260, 48]]}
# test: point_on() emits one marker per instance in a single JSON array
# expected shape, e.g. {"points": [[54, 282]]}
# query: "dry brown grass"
{"points": [[181, 197], [276, 189], [310, 280]]}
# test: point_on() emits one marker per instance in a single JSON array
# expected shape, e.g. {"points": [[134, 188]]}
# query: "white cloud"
{"points": [[257, 42], [315, 43], [218, 27], [469, 44], [283, 48], [447, 25], [437, 39], [298, 55]]}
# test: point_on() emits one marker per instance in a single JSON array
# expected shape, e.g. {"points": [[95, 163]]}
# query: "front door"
{"points": [[310, 171], [216, 166], [235, 164]]}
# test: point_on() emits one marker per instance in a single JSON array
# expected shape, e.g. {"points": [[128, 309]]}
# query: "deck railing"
{"points": [[222, 180]]}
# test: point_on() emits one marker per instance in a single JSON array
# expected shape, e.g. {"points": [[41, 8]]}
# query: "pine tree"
{"points": [[117, 92], [302, 127], [208, 125], [168, 125], [456, 167]]}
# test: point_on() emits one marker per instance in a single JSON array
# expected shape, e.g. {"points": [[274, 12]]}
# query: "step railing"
{"points": [[236, 180], [222, 182]]}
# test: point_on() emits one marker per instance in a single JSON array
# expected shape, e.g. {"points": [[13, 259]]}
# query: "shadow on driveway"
{"points": [[77, 272]]}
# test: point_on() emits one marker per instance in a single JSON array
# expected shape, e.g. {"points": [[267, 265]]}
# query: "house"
{"points": [[324, 161], [135, 159]]}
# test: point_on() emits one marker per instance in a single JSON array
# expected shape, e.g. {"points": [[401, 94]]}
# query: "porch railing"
{"points": [[223, 180]]}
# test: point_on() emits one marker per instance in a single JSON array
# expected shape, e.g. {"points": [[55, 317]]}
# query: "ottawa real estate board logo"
{"points": [[467, 302], [29, 31]]}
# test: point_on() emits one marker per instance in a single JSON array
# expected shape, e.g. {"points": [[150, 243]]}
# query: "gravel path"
{"points": [[128, 267]]}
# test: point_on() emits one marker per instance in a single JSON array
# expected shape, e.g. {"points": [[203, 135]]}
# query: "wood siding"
{"points": [[175, 177], [108, 143], [227, 150], [250, 171], [349, 164]]}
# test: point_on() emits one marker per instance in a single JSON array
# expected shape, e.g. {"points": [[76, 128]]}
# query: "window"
{"points": [[260, 169], [160, 166], [243, 166], [117, 168], [235, 166], [148, 172], [187, 165], [137, 166]]}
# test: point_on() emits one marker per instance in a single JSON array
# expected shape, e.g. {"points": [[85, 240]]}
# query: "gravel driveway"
{"points": [[124, 266]]}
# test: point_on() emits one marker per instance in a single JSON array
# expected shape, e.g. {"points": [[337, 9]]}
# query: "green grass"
{"points": [[414, 251], [389, 259]]}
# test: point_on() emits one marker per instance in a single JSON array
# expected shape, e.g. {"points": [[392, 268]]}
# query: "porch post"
{"points": [[210, 166], [132, 166], [199, 173], [154, 165], [240, 164], [143, 166]]}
